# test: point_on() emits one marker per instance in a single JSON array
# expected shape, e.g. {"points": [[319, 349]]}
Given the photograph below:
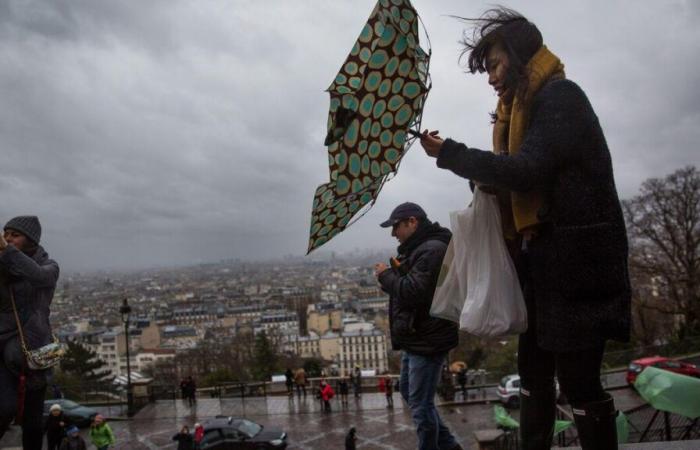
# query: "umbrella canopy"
{"points": [[376, 103], [671, 392]]}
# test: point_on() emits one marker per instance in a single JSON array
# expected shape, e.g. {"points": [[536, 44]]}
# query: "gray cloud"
{"points": [[171, 132]]}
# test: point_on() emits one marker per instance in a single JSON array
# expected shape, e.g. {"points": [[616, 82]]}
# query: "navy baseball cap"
{"points": [[403, 212]]}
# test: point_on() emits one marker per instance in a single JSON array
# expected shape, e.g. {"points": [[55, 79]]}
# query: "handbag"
{"points": [[43, 357]]}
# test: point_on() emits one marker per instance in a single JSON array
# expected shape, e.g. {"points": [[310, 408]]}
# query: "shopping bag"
{"points": [[494, 304], [451, 290]]}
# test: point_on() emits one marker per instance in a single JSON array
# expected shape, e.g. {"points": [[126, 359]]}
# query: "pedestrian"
{"points": [[357, 381], [344, 390], [183, 389], [351, 440], [327, 393], [73, 441], [389, 391], [300, 381], [198, 434], [55, 427], [423, 340], [562, 219], [462, 381], [27, 281], [185, 440], [191, 391], [101, 434], [289, 381], [57, 394]]}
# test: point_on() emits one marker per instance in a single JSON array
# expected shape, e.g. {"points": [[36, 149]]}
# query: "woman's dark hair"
{"points": [[511, 31]]}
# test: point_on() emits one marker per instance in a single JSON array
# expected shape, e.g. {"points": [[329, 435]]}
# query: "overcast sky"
{"points": [[163, 132]]}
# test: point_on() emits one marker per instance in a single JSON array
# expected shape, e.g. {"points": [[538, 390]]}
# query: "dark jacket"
{"points": [[77, 443], [411, 290], [185, 441], [54, 429], [577, 264]]}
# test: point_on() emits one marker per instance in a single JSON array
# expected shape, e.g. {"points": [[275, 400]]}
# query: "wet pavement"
{"points": [[307, 426]]}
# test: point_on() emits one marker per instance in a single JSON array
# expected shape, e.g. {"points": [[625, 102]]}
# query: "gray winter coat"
{"points": [[32, 279], [578, 260]]}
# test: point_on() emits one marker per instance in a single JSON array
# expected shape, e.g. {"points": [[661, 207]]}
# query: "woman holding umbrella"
{"points": [[552, 170]]}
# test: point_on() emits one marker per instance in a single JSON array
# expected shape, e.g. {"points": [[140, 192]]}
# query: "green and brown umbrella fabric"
{"points": [[376, 104]]}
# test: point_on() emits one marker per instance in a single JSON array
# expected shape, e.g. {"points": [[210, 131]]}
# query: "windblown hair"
{"points": [[509, 30]]}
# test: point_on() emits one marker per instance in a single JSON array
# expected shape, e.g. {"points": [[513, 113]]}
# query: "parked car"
{"points": [[76, 413], [230, 433], [638, 365], [509, 390]]}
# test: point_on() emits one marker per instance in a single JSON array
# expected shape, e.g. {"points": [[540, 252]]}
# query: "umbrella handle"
{"points": [[415, 133]]}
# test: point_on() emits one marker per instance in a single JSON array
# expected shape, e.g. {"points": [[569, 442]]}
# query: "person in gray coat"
{"points": [[552, 171], [29, 275]]}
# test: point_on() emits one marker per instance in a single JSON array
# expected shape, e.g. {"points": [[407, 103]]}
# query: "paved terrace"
{"points": [[311, 429]]}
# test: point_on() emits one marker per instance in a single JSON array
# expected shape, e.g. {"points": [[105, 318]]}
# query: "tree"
{"points": [[664, 231], [264, 358], [84, 365]]}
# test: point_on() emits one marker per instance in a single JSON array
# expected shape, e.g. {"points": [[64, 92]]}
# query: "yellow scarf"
{"points": [[508, 134]]}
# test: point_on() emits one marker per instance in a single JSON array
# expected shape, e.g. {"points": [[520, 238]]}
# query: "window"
{"points": [[211, 436]]}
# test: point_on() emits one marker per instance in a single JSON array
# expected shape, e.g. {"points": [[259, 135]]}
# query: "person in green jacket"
{"points": [[101, 434]]}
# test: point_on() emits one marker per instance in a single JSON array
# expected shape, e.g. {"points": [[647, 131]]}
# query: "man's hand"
{"points": [[3, 242], [379, 268], [431, 142]]}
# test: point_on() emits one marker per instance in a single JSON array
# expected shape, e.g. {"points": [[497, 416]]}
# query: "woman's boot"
{"points": [[597, 428], [537, 411]]}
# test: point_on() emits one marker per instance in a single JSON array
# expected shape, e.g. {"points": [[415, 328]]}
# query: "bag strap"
{"points": [[19, 324]]}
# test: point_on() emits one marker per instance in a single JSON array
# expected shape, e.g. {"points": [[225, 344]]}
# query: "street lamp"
{"points": [[125, 311]]}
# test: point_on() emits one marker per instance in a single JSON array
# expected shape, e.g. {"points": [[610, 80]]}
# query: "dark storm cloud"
{"points": [[169, 132]]}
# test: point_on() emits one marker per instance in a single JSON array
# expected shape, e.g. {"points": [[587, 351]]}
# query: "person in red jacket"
{"points": [[198, 434], [327, 393]]}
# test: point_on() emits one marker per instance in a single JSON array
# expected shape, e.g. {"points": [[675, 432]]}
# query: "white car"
{"points": [[509, 390]]}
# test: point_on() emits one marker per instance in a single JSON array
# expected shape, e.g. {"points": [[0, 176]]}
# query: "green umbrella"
{"points": [[376, 104], [670, 392]]}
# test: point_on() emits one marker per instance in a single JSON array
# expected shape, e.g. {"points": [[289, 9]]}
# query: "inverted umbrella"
{"points": [[376, 104]]}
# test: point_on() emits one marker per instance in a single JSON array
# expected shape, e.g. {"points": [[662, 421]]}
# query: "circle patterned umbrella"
{"points": [[376, 104]]}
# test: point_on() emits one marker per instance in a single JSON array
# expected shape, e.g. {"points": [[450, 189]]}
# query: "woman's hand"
{"points": [[431, 142]]}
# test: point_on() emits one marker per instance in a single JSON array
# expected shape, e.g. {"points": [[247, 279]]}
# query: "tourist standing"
{"points": [[344, 390], [185, 440], [389, 391], [300, 381], [289, 381], [73, 441], [327, 393], [101, 434], [198, 434], [357, 381], [423, 340], [55, 427], [351, 439], [552, 171], [27, 281]]}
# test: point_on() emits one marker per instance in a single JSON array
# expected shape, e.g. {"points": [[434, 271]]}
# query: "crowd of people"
{"points": [[62, 434]]}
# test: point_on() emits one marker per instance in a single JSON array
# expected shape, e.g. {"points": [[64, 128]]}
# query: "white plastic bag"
{"points": [[494, 304], [451, 291]]}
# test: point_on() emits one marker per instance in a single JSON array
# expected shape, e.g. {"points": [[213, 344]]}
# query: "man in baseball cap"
{"points": [[423, 340]]}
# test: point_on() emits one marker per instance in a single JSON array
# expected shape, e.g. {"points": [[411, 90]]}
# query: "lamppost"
{"points": [[125, 311]]}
